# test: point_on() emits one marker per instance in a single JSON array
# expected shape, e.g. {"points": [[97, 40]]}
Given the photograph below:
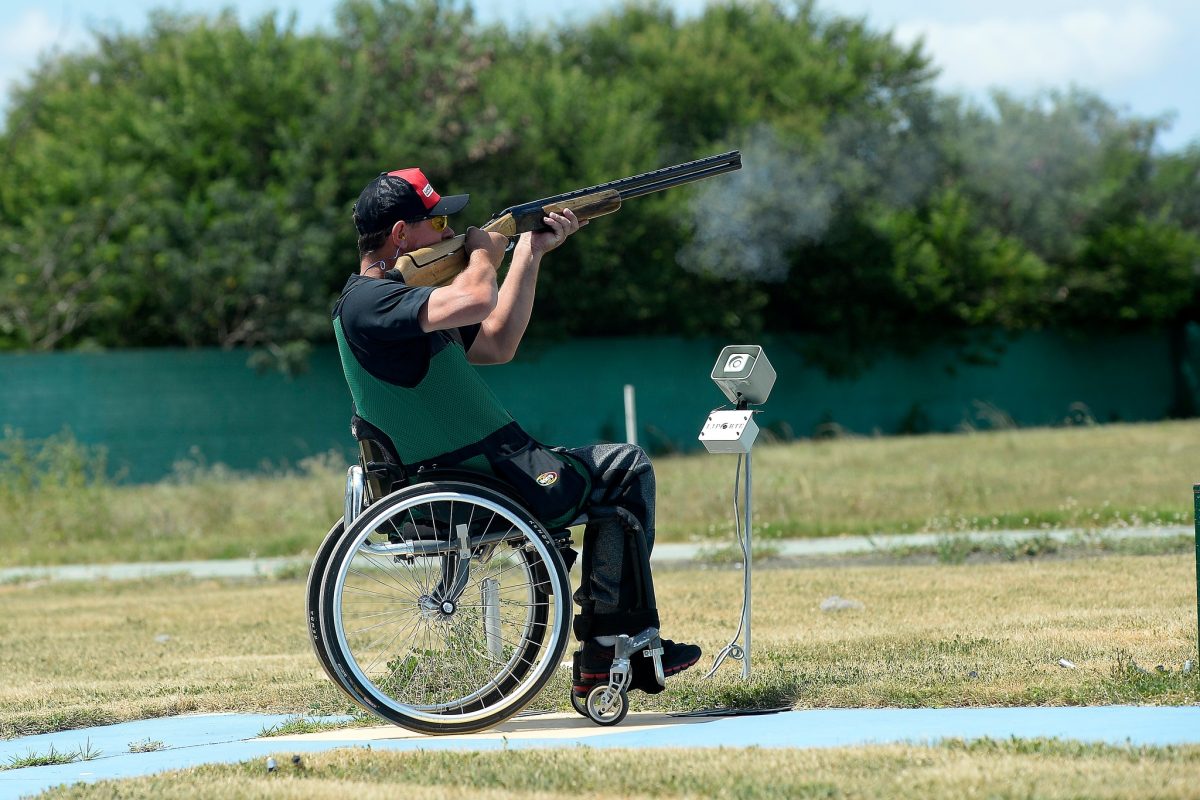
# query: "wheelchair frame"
{"points": [[483, 607]]}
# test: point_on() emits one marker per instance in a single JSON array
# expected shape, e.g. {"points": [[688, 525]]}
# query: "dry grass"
{"points": [[983, 634], [954, 770], [215, 515], [1064, 477], [91, 653], [1069, 477]]}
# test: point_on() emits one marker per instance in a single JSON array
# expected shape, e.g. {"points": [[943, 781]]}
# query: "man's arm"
{"points": [[472, 296], [502, 329]]}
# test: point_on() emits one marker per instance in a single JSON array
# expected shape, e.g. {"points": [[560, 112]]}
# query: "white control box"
{"points": [[729, 431]]}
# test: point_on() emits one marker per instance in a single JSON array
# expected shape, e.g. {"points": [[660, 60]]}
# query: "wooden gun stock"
{"points": [[432, 266], [439, 264]]}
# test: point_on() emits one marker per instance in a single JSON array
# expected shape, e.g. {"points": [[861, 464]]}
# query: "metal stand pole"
{"points": [[1196, 493], [749, 560], [741, 652]]}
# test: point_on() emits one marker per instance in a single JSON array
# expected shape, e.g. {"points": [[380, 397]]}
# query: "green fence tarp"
{"points": [[152, 408]]}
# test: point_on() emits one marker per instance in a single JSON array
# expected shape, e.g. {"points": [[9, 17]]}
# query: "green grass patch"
{"points": [[1138, 546], [1129, 681], [297, 725], [734, 554], [1106, 476], [961, 548], [292, 570], [953, 769], [85, 752]]}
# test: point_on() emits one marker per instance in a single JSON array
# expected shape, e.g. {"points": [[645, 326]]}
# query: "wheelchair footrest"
{"points": [[649, 644]]}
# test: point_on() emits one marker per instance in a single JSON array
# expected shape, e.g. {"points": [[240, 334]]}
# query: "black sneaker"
{"points": [[591, 664]]}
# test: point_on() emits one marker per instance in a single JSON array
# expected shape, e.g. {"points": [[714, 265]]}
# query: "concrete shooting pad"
{"points": [[192, 740]]}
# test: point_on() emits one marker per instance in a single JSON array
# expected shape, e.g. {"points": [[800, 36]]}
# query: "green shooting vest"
{"points": [[452, 418], [450, 410]]}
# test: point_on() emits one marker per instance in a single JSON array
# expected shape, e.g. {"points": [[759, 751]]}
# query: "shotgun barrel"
{"points": [[635, 185]]}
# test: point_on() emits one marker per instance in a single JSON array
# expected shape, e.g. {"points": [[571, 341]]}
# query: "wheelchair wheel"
{"points": [[444, 608], [312, 603]]}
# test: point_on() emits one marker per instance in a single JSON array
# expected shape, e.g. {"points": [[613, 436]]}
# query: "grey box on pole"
{"points": [[743, 372]]}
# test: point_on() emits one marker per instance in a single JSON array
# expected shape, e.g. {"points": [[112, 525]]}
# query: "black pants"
{"points": [[616, 591]]}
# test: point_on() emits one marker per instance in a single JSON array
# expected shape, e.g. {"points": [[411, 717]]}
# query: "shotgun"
{"points": [[437, 265]]}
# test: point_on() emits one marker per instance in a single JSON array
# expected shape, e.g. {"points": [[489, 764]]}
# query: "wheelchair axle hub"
{"points": [[432, 607]]}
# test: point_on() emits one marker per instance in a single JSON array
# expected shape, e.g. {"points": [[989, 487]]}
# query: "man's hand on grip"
{"points": [[494, 244]]}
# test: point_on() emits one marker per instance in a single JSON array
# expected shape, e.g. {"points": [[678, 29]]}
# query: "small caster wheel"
{"points": [[606, 707], [579, 704]]}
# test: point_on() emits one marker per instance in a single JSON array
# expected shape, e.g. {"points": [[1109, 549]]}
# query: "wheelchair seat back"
{"points": [[383, 470]]}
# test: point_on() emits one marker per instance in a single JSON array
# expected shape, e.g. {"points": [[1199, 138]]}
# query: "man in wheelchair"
{"points": [[407, 353]]}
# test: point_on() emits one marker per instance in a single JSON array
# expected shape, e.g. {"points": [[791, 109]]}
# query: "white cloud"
{"points": [[1085, 47], [21, 42], [32, 32]]}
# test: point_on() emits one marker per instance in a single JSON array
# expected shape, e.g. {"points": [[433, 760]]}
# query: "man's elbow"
{"points": [[491, 352], [501, 351]]}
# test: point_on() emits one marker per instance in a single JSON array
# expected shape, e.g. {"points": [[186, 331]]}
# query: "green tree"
{"points": [[956, 271], [1134, 275], [1083, 188], [645, 89], [144, 201]]}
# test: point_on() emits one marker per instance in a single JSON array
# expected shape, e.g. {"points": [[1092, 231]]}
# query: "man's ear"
{"points": [[399, 235]]}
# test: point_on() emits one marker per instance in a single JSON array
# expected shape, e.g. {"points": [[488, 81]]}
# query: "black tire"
{"points": [[398, 617], [312, 604]]}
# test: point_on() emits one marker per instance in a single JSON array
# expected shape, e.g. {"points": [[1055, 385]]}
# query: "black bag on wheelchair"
{"points": [[552, 484]]}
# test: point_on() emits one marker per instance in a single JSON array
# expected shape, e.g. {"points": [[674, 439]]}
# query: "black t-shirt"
{"points": [[380, 320]]}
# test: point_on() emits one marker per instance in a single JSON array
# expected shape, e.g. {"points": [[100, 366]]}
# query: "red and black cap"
{"points": [[403, 194]]}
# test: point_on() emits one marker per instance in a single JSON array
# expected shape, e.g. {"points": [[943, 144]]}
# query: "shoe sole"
{"points": [[602, 677]]}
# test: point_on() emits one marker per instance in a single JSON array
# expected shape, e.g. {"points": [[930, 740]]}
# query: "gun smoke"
{"points": [[1035, 168], [746, 222], [787, 196]]}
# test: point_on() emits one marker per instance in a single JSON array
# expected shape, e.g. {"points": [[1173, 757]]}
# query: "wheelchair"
{"points": [[441, 605]]}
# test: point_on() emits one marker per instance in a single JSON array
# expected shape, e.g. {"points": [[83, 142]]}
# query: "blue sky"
{"points": [[1138, 55]]}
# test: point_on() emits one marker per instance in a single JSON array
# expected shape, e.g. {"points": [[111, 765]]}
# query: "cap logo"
{"points": [[428, 190], [547, 479]]}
